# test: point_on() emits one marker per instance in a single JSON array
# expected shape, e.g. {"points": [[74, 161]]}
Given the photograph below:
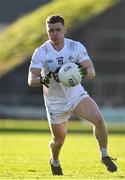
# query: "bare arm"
{"points": [[34, 77], [90, 69]]}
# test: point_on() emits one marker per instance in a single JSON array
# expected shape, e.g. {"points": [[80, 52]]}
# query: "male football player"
{"points": [[62, 101]]}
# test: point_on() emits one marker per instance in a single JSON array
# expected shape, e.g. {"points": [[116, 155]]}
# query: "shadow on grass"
{"points": [[79, 131]]}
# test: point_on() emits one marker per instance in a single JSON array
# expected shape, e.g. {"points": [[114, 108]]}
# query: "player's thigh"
{"points": [[59, 131], [88, 109]]}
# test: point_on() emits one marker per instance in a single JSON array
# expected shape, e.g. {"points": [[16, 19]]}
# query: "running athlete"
{"points": [[61, 101]]}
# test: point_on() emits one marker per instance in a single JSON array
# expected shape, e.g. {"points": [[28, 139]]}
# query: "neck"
{"points": [[58, 46]]}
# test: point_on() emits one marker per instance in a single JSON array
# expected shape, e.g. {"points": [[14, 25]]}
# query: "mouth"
{"points": [[55, 39]]}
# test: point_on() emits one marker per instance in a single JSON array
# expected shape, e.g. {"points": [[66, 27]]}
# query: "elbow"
{"points": [[30, 82], [90, 72], [34, 82], [34, 79], [91, 75], [94, 75]]}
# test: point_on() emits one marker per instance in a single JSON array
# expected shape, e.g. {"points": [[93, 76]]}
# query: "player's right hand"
{"points": [[55, 74], [46, 79]]}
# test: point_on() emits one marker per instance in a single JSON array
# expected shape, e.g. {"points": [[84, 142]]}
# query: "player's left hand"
{"points": [[83, 70]]}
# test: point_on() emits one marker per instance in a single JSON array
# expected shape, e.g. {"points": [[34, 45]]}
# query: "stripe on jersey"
{"points": [[45, 48], [72, 46]]}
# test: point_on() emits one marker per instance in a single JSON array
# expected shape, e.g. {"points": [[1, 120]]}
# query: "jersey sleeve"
{"points": [[36, 60], [82, 53]]}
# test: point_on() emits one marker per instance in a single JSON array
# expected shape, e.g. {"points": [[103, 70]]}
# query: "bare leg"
{"points": [[58, 132], [88, 110]]}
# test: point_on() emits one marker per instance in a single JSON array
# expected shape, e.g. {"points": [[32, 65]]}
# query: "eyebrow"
{"points": [[54, 28]]}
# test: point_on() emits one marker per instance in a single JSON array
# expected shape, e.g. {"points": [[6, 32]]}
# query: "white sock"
{"points": [[55, 162], [103, 152]]}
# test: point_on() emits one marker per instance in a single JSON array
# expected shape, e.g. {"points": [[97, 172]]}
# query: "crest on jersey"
{"points": [[60, 60]]}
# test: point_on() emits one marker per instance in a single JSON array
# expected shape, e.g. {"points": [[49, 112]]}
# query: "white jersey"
{"points": [[48, 59]]}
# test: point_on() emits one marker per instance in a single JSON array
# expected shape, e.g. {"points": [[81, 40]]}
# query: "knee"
{"points": [[99, 123], [58, 142]]}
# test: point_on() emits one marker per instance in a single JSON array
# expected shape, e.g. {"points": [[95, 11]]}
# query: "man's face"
{"points": [[55, 32]]}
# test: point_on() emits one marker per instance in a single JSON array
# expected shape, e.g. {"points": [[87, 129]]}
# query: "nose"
{"points": [[54, 33]]}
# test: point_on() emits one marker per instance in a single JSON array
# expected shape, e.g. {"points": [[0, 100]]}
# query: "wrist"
{"points": [[41, 80]]}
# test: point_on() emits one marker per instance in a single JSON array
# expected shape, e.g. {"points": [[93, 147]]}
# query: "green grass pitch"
{"points": [[25, 154]]}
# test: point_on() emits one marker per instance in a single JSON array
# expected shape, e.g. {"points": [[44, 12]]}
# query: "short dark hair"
{"points": [[55, 19]]}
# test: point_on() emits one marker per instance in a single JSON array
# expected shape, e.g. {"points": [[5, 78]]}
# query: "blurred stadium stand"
{"points": [[105, 40], [10, 10], [104, 37]]}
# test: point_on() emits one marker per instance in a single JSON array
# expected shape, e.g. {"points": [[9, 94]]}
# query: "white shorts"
{"points": [[59, 112]]}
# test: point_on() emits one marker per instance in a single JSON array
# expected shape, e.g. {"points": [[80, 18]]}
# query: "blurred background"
{"points": [[99, 25]]}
